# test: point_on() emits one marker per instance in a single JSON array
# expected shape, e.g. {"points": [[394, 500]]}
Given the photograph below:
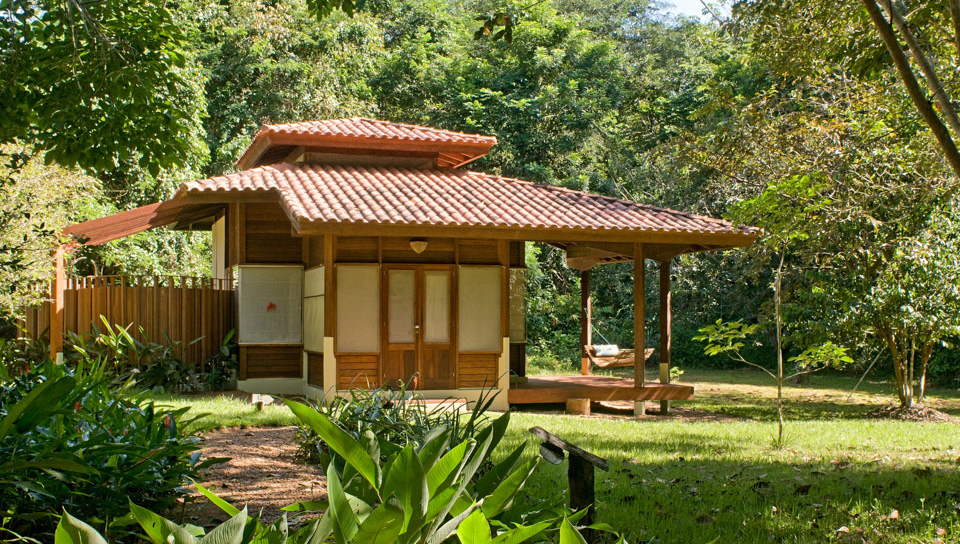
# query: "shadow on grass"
{"points": [[689, 499]]}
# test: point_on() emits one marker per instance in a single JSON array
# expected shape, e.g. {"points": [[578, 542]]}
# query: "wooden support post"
{"points": [[580, 474], [578, 406], [639, 315], [580, 477], [586, 320], [56, 311], [665, 326]]}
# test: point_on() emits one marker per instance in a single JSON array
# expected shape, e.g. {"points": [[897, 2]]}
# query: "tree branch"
{"points": [[926, 68], [940, 132], [955, 20]]}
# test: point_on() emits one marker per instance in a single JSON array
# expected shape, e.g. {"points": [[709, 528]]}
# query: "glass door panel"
{"points": [[436, 306]]}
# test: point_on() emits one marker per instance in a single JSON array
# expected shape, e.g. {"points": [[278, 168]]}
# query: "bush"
{"points": [[71, 439], [397, 417]]}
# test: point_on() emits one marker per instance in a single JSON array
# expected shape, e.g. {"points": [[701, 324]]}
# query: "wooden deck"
{"points": [[552, 389]]}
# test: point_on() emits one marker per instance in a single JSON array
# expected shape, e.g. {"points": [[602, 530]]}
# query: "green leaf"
{"points": [[445, 471], [338, 440], [383, 525], [48, 389], [522, 533], [502, 497], [342, 517], [406, 481], [71, 530], [228, 532], [475, 529], [569, 534], [222, 504], [306, 506]]}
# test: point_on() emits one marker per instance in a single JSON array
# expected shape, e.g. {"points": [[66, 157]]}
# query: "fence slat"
{"points": [[183, 307]]}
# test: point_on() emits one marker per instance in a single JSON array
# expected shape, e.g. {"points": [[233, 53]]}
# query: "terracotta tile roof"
{"points": [[448, 197], [274, 142], [372, 129]]}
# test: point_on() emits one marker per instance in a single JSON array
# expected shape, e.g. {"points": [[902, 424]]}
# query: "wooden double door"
{"points": [[419, 332]]}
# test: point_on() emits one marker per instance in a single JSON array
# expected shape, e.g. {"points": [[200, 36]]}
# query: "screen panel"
{"points": [[401, 304], [436, 306], [269, 304], [358, 308], [479, 308]]}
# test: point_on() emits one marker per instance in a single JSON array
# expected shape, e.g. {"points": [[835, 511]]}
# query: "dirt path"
{"points": [[263, 474]]}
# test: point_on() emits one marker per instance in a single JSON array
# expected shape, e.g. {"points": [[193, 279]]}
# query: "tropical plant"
{"points": [[397, 417], [70, 438]]}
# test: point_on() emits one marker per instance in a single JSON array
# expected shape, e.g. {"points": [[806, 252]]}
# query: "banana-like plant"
{"points": [[418, 495]]}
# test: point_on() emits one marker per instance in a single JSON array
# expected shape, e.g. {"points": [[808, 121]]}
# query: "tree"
{"points": [[95, 84]]}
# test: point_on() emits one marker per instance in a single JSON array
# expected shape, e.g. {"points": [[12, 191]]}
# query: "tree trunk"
{"points": [[899, 370], [926, 68], [940, 132], [955, 20]]}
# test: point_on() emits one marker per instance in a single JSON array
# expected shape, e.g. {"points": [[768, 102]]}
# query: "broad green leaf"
{"points": [[383, 525], [406, 481], [306, 506], [222, 504], [522, 533], [315, 532], [488, 482], [475, 529], [445, 471], [71, 530], [503, 495], [48, 389], [569, 534], [228, 532], [338, 440], [342, 517], [434, 445]]}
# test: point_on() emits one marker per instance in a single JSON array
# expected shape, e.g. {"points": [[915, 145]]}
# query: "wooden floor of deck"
{"points": [[552, 389]]}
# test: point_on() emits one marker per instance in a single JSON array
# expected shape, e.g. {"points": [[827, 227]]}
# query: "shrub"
{"points": [[71, 439], [397, 417]]}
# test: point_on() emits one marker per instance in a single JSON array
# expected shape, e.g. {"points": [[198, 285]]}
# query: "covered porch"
{"points": [[558, 389]]}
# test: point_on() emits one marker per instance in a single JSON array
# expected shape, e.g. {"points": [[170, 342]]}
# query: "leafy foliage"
{"points": [[71, 439], [397, 417]]}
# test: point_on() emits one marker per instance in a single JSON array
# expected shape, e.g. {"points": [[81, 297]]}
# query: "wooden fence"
{"points": [[184, 308]]}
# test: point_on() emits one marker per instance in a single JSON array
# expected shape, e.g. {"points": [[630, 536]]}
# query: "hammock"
{"points": [[618, 358]]}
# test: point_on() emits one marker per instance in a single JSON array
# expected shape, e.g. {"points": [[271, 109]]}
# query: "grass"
{"points": [[223, 411], [840, 478]]}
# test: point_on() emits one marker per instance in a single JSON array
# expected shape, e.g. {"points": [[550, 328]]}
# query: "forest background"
{"points": [[786, 115]]}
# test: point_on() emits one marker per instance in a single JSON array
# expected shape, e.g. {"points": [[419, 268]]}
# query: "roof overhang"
{"points": [[176, 213]]}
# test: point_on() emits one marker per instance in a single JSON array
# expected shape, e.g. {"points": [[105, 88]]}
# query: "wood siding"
{"points": [[270, 362], [477, 369], [182, 308], [358, 371], [268, 235], [315, 369]]}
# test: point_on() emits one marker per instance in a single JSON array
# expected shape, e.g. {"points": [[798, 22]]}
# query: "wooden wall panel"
{"points": [[358, 249], [270, 362], [439, 251], [477, 369], [479, 251], [358, 371], [268, 235], [518, 255], [315, 369], [314, 251]]}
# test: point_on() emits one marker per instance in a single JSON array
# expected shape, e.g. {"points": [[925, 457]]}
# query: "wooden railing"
{"points": [[183, 308]]}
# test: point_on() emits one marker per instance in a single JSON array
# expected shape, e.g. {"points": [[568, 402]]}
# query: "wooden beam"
{"points": [[56, 311], [665, 329], [718, 240], [329, 287], [639, 314], [586, 321]]}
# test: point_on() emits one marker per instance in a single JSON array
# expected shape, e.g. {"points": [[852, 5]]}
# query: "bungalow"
{"points": [[362, 253]]}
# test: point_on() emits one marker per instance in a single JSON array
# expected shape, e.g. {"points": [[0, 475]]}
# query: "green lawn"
{"points": [[841, 477], [225, 411]]}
